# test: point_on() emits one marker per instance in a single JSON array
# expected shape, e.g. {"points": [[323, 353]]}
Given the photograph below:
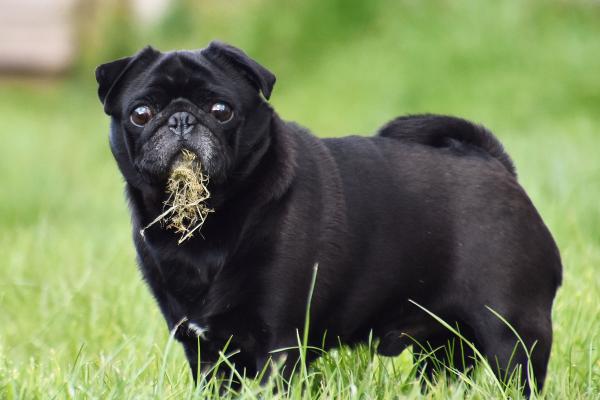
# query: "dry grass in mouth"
{"points": [[185, 209]]}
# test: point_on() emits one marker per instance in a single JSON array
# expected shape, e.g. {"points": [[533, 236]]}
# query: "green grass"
{"points": [[76, 321]]}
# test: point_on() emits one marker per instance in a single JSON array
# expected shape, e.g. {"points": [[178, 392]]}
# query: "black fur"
{"points": [[427, 210], [442, 131]]}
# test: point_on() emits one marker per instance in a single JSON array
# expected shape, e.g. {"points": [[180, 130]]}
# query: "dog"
{"points": [[425, 218]]}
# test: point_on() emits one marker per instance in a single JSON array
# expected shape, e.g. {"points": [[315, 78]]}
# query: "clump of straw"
{"points": [[185, 209]]}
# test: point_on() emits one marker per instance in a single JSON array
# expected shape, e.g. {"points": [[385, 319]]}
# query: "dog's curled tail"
{"points": [[447, 132]]}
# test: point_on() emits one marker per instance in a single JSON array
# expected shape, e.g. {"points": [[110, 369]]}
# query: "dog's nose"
{"points": [[181, 123]]}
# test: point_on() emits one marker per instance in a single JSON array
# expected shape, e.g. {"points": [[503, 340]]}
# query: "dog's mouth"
{"points": [[185, 209], [181, 156]]}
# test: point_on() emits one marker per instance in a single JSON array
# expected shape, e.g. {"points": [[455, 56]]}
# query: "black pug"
{"points": [[428, 212]]}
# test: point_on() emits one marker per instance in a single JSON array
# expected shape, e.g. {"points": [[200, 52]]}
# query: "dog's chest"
{"points": [[218, 324], [212, 292], [212, 303]]}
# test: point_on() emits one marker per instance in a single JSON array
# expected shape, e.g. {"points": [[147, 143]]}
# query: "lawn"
{"points": [[76, 320]]}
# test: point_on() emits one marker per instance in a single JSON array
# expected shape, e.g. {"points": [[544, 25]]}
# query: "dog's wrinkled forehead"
{"points": [[218, 67], [179, 74], [177, 69]]}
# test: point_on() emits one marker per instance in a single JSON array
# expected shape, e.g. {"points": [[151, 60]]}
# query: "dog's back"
{"points": [[445, 131]]}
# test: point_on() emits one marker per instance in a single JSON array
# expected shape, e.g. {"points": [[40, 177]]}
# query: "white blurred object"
{"points": [[36, 35], [149, 11]]}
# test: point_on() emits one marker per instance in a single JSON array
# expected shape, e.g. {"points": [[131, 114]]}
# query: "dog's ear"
{"points": [[109, 75], [258, 75]]}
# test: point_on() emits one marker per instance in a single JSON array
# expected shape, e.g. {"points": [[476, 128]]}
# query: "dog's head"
{"points": [[206, 101]]}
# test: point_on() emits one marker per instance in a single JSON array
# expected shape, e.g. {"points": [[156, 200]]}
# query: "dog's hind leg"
{"points": [[445, 352], [435, 348], [509, 355]]}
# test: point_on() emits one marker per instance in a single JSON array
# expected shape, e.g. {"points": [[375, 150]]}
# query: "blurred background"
{"points": [[72, 305]]}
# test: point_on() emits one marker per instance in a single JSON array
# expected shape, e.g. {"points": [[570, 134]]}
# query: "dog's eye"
{"points": [[141, 115], [221, 111]]}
